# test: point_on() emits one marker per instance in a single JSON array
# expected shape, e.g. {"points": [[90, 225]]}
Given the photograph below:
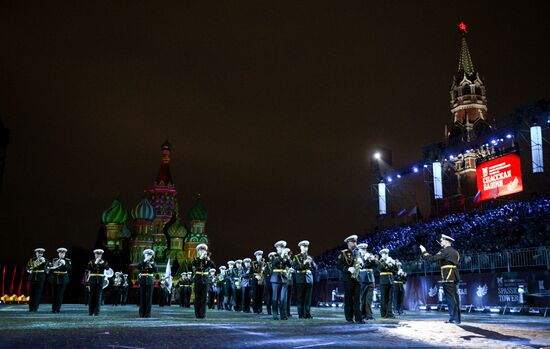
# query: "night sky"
{"points": [[272, 109]]}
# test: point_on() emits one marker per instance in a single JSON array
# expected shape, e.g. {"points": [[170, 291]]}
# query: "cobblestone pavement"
{"points": [[175, 327]]}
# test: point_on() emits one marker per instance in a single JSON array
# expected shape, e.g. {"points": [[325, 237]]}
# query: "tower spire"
{"points": [[465, 60]]}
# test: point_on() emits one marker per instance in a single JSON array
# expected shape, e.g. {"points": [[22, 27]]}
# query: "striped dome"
{"points": [[114, 214], [177, 229], [198, 211], [144, 210]]}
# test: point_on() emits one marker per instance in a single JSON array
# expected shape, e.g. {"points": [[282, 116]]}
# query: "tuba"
{"points": [[108, 274]]}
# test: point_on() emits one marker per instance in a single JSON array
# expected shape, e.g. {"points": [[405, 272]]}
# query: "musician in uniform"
{"points": [[229, 289], [399, 288], [201, 266], [212, 288], [238, 285], [117, 288], [279, 264], [246, 278], [163, 291], [349, 264], [184, 288], [290, 273], [220, 283], [388, 268], [59, 278], [189, 294], [125, 289], [258, 280], [36, 267], [304, 265], [448, 259], [96, 275], [366, 278], [146, 281], [268, 286]]}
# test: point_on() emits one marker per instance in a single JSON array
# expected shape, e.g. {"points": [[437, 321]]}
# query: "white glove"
{"points": [[351, 269], [62, 262], [422, 249]]}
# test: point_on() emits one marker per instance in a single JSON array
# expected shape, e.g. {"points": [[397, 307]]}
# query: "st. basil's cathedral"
{"points": [[155, 223]]}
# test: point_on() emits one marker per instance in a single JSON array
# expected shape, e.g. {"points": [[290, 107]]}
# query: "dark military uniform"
{"points": [[237, 289], [200, 270], [258, 281], [246, 280], [289, 288], [387, 271], [220, 285], [37, 279], [279, 284], [399, 289], [96, 275], [59, 278], [125, 290], [184, 286], [228, 288], [449, 258], [117, 290], [352, 288], [146, 282], [366, 277], [164, 293], [304, 284], [268, 287], [212, 291]]}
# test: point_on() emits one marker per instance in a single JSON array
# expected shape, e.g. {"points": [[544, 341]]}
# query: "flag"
{"points": [[402, 212], [413, 211], [168, 275], [478, 195]]}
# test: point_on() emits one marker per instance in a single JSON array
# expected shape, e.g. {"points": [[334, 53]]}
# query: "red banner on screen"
{"points": [[499, 177]]}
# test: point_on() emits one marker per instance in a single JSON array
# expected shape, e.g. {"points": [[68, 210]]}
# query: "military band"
{"points": [[59, 270], [243, 284], [448, 259]]}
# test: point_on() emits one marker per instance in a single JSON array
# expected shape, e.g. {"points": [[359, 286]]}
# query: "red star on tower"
{"points": [[462, 26]]}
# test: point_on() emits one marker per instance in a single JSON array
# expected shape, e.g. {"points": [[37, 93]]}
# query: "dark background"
{"points": [[272, 108]]}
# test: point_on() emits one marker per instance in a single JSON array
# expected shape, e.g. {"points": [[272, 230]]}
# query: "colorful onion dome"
{"points": [[125, 233], [114, 214], [198, 211], [144, 210], [177, 229]]}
